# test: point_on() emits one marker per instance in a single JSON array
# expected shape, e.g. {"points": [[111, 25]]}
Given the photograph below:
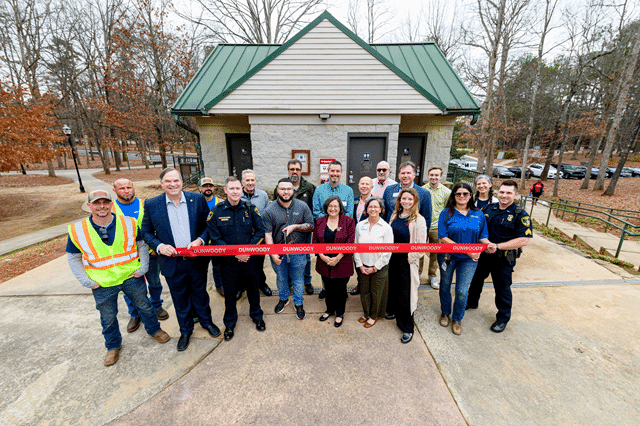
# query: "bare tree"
{"points": [[550, 7], [377, 16], [253, 21], [620, 108]]}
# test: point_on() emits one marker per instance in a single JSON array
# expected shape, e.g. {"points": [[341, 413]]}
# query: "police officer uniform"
{"points": [[233, 225], [503, 225]]}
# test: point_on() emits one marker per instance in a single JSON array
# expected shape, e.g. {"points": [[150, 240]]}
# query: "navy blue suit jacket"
{"points": [[390, 195], [156, 228]]}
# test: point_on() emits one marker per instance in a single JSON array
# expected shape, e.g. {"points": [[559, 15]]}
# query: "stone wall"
{"points": [[439, 131], [213, 141], [272, 145], [272, 140]]}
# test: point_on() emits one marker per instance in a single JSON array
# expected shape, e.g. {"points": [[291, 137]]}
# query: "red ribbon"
{"points": [[264, 249]]}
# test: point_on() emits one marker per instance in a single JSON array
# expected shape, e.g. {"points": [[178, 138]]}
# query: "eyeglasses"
{"points": [[286, 189], [462, 194], [382, 170], [295, 169]]}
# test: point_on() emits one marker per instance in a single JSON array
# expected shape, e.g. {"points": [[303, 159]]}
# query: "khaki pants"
{"points": [[432, 238]]}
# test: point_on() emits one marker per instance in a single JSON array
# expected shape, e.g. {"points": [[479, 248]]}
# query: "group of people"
{"points": [[126, 241]]}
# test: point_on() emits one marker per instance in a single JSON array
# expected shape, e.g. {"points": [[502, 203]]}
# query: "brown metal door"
{"points": [[365, 152], [411, 147], [239, 153]]}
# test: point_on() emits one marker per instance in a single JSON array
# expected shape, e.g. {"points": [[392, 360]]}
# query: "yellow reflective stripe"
{"points": [[92, 249]]}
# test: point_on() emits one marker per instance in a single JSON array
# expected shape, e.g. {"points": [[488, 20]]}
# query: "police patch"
{"points": [[255, 209], [509, 218], [526, 222], [210, 216]]}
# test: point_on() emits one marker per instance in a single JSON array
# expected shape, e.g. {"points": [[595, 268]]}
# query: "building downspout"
{"points": [[179, 123]]}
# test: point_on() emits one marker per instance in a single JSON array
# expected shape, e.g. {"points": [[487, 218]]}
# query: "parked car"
{"points": [[635, 171], [596, 170], [623, 173], [569, 171], [469, 165], [536, 171], [502, 172], [517, 171]]}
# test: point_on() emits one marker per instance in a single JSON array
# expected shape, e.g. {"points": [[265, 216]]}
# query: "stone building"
{"points": [[324, 94]]}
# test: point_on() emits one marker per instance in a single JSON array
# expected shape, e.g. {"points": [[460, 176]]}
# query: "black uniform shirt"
{"points": [[232, 225], [505, 225]]}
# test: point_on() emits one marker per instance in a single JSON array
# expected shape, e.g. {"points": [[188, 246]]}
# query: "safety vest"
{"points": [[115, 209], [107, 265]]}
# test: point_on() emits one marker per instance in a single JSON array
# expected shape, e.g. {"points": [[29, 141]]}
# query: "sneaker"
{"points": [[434, 283], [300, 312], [280, 306]]}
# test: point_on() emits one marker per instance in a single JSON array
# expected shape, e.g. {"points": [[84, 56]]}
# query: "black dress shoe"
{"points": [[213, 330], [406, 337], [260, 325], [321, 295], [498, 327], [471, 306], [325, 316], [239, 295], [266, 290], [183, 342], [228, 333], [389, 316], [308, 288], [337, 324]]}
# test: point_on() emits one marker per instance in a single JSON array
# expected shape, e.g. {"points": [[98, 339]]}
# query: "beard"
{"points": [[294, 178], [285, 198], [208, 192]]}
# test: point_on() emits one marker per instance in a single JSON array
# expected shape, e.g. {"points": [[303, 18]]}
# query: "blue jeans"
{"points": [[290, 269], [464, 274], [155, 288], [107, 304]]}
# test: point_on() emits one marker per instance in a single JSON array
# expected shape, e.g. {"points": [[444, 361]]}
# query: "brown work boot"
{"points": [[456, 327], [162, 314], [162, 336], [112, 357], [444, 320], [133, 325]]}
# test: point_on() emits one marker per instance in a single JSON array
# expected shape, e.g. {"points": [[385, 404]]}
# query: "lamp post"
{"points": [[67, 131]]}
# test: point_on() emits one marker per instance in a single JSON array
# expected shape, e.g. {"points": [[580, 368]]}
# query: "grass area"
{"points": [[563, 238]]}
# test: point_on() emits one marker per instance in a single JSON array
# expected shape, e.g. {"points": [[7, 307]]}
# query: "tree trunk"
{"points": [[576, 148], [611, 189], [592, 159], [617, 118], [50, 169]]}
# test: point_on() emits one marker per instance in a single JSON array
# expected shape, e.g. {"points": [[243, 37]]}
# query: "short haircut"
{"points": [[294, 161], [167, 170], [408, 163], [435, 168], [247, 171], [230, 179], [335, 163], [286, 179], [510, 182], [328, 201], [378, 200]]}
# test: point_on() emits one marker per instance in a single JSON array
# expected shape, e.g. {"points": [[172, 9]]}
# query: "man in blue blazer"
{"points": [[176, 219]]}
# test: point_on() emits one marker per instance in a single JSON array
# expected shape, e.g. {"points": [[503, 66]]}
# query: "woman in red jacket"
{"points": [[334, 268]]}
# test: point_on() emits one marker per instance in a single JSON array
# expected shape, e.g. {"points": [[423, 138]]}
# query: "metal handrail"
{"points": [[560, 206], [602, 207], [456, 174]]}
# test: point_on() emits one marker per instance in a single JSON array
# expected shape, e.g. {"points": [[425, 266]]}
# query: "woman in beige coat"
{"points": [[408, 227]]}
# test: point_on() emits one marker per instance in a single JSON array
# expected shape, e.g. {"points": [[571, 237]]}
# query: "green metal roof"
{"points": [[421, 65]]}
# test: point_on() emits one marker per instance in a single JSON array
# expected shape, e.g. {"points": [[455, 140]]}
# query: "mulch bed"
{"points": [[19, 262], [21, 181]]}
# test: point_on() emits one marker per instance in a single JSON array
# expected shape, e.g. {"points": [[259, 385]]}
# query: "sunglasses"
{"points": [[382, 170], [462, 194], [103, 234]]}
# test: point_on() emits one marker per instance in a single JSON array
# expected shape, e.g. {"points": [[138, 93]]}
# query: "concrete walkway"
{"points": [[567, 357], [630, 251]]}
